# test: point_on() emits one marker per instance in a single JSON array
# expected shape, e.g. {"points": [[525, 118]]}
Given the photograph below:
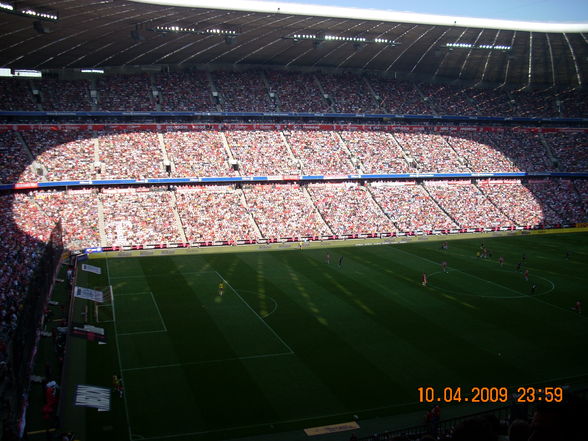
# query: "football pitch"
{"points": [[305, 338]]}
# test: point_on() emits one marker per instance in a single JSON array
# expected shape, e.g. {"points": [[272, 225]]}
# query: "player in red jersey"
{"points": [[578, 307], [501, 260], [526, 275]]}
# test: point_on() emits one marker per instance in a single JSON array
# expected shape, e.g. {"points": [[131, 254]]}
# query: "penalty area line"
{"points": [[179, 273], [219, 360], [255, 312]]}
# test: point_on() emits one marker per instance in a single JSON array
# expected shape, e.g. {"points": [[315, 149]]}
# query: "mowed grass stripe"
{"points": [[192, 332], [287, 377], [192, 310], [418, 340], [505, 278], [521, 326], [489, 328], [360, 341], [300, 320]]}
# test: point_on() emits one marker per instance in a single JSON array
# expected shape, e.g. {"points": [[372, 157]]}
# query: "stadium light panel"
{"points": [[92, 71], [29, 11], [5, 72], [331, 37], [491, 47], [28, 73], [38, 14], [6, 6], [192, 30]]}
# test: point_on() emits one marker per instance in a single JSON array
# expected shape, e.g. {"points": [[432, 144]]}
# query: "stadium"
{"points": [[268, 221]]}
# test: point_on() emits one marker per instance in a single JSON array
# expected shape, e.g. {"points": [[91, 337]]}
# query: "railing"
{"points": [[502, 414]]}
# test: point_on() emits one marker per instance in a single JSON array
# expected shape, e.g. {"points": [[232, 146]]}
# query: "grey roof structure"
{"points": [[105, 33]]}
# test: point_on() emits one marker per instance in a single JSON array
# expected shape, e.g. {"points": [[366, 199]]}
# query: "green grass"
{"points": [[295, 342]]}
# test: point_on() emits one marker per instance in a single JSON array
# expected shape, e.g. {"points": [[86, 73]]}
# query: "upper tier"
{"points": [[274, 91]]}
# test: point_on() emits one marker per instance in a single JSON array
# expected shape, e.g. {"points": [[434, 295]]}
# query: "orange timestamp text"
{"points": [[490, 394]]}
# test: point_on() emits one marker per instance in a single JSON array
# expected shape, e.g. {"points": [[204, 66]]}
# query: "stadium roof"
{"points": [[104, 33]]}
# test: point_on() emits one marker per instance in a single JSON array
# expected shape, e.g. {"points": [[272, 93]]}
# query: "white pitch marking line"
{"points": [[273, 310], [269, 297], [142, 332], [463, 272], [489, 281], [118, 353], [521, 296], [138, 293], [254, 312], [159, 312], [220, 360], [181, 273]]}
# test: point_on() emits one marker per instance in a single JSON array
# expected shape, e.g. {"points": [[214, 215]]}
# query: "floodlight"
{"points": [[7, 6], [27, 73]]}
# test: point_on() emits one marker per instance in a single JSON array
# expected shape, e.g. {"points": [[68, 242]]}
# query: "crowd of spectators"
{"points": [[244, 92], [524, 150], [285, 91], [16, 94], [561, 197], [287, 210], [447, 100], [128, 154], [431, 153], [399, 97], [25, 230], [491, 102], [261, 152], [529, 209], [458, 198], [139, 217], [582, 189], [185, 91], [125, 92], [283, 211], [78, 154], [570, 150], [319, 152], [65, 95], [349, 93], [13, 159], [411, 208], [216, 213], [65, 154], [197, 153], [572, 103], [378, 152], [297, 92], [481, 153], [349, 209], [535, 103], [78, 212]]}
